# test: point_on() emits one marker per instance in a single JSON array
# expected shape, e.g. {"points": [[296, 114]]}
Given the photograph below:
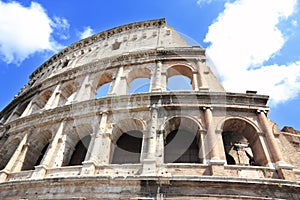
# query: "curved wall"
{"points": [[64, 127]]}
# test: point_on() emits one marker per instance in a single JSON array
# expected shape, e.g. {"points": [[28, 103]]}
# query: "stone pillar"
{"points": [[202, 146], [195, 81], [14, 159], [156, 85], [99, 148], [163, 81], [40, 171], [149, 161], [201, 66], [27, 111], [215, 163], [211, 147], [120, 84], [86, 91], [285, 170], [271, 141], [54, 99]]}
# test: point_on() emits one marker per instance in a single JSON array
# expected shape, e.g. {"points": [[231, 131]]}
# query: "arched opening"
{"points": [[43, 99], [242, 145], [128, 148], [67, 94], [77, 143], [179, 82], [7, 152], [181, 141], [139, 85], [80, 151], [103, 85], [36, 150], [139, 80], [127, 139], [103, 90], [19, 111], [179, 77]]}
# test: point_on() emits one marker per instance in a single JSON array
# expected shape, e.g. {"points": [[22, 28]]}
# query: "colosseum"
{"points": [[103, 119]]}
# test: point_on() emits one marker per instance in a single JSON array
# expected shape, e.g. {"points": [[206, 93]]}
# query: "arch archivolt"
{"points": [[180, 68], [125, 125], [186, 122], [221, 123]]}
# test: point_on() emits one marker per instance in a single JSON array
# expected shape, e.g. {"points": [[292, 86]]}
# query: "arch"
{"points": [[127, 138], [7, 151], [81, 148], [126, 125], [67, 93], [182, 74], [242, 142], [102, 85], [139, 80], [77, 144], [182, 140], [36, 150], [43, 98]]}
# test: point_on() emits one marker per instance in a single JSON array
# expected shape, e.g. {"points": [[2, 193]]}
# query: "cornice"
{"points": [[99, 37]]}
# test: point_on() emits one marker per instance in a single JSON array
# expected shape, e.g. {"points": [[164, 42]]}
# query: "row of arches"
{"points": [[177, 77], [182, 141]]}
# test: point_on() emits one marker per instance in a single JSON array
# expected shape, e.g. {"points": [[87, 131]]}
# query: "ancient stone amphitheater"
{"points": [[135, 112]]}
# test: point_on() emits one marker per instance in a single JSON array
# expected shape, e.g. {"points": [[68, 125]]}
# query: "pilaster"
{"points": [[149, 162]]}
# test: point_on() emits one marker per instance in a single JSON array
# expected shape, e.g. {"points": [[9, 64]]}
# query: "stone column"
{"points": [[149, 161], [163, 81], [120, 84], [54, 99], [99, 148], [156, 85], [216, 164], [271, 141], [211, 147], [27, 111], [14, 159], [201, 66], [40, 170], [195, 81], [285, 170], [86, 91]]}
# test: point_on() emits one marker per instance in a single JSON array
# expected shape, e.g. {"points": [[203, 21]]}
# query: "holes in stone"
{"points": [[116, 45]]}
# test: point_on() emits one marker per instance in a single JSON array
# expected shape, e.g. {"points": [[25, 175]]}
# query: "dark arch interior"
{"points": [[39, 160], [7, 153], [181, 147], [128, 148], [80, 151]]}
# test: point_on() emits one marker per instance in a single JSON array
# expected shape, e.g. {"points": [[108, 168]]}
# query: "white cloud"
{"points": [[88, 31], [246, 35], [25, 31], [202, 2]]}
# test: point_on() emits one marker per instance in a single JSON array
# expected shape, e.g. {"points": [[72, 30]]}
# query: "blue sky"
{"points": [[252, 44]]}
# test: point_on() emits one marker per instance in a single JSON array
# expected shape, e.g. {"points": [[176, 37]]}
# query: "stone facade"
{"points": [[62, 139]]}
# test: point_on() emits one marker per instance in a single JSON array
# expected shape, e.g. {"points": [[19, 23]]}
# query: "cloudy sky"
{"points": [[253, 44]]}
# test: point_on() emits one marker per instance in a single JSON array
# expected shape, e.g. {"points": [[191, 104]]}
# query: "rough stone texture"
{"points": [[59, 139]]}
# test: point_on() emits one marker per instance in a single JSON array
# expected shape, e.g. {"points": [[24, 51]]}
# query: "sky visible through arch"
{"points": [[252, 44]]}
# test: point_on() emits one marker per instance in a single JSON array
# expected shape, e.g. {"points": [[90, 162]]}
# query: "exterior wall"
{"points": [[41, 128]]}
